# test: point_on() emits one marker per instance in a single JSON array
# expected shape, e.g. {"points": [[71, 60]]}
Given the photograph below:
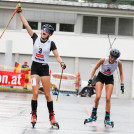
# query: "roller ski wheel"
{"points": [[34, 119], [90, 120], [53, 121], [93, 116], [108, 123], [55, 125], [33, 123]]}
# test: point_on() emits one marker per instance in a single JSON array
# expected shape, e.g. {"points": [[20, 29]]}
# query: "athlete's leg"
{"points": [[99, 87], [46, 87], [109, 90], [93, 117], [35, 87]]}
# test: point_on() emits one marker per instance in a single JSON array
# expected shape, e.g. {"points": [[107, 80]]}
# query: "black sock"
{"points": [[50, 106], [94, 108], [107, 113], [34, 105]]}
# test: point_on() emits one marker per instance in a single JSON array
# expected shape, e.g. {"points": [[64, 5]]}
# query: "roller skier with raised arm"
{"points": [[40, 68]]}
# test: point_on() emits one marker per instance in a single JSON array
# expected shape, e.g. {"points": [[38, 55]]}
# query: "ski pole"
{"points": [[59, 84], [9, 22], [113, 41], [111, 44]]}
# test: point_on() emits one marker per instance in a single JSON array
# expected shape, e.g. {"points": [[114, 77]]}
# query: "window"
{"points": [[33, 25], [125, 27], [90, 24], [107, 25], [52, 24], [67, 27]]}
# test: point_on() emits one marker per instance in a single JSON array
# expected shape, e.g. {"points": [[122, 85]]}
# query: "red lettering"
{"points": [[107, 72], [39, 55]]}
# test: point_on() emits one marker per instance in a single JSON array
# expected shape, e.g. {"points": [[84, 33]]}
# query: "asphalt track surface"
{"points": [[70, 112]]}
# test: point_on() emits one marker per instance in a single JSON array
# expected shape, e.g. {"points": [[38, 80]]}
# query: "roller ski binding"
{"points": [[53, 121], [93, 116], [107, 121], [34, 118]]}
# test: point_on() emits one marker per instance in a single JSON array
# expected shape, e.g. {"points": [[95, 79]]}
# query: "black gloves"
{"points": [[63, 65], [122, 88]]}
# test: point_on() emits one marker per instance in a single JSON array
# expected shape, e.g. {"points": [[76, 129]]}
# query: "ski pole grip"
{"points": [[19, 4], [19, 10]]}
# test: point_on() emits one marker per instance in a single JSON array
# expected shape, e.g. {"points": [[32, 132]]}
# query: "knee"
{"points": [[97, 98], [35, 94], [108, 99]]}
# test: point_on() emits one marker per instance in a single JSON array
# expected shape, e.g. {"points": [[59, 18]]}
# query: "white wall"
{"points": [[71, 45]]}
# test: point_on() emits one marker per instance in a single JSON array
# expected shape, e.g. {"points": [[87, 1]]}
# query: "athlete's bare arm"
{"points": [[25, 23], [56, 54], [120, 70], [101, 61]]}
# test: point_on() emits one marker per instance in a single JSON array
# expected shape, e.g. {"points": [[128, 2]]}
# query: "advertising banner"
{"points": [[12, 78]]}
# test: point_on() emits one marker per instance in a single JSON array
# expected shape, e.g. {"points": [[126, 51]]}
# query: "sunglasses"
{"points": [[113, 57], [46, 29]]}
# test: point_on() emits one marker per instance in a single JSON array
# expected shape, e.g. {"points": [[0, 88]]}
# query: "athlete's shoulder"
{"points": [[119, 62], [52, 42], [103, 59], [34, 36], [53, 46]]}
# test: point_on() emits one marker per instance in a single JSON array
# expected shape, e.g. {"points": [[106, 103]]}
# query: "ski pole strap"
{"points": [[19, 10]]}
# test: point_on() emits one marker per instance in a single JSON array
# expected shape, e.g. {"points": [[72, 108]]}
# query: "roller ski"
{"points": [[53, 121], [93, 116], [34, 118], [107, 121]]}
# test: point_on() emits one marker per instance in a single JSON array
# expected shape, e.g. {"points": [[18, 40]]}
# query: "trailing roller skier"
{"points": [[105, 76]]}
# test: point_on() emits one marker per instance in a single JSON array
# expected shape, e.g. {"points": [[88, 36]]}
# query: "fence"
{"points": [[69, 83]]}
